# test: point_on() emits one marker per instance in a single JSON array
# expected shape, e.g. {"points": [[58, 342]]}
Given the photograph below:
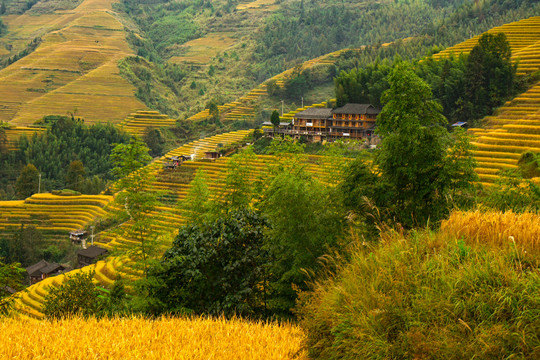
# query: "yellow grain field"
{"points": [[135, 338], [202, 50], [496, 227]]}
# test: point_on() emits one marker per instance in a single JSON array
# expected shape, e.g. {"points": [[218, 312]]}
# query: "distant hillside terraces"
{"points": [[524, 39], [138, 122], [73, 70], [515, 127]]}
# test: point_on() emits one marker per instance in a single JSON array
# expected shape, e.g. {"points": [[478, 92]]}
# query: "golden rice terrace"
{"points": [[515, 127]]}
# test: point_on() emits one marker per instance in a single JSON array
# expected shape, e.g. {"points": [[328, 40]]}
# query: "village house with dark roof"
{"points": [[43, 270], [90, 255], [352, 121]]}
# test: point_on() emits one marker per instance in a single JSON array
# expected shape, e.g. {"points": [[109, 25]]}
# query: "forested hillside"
{"points": [[232, 46]]}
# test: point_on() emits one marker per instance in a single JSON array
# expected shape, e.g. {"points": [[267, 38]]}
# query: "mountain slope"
{"points": [[515, 127], [72, 71]]}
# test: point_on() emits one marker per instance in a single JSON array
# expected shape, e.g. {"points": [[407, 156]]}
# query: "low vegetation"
{"points": [[54, 155], [426, 295]]}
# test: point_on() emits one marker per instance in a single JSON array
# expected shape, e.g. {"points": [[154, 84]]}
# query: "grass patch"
{"points": [[426, 296]]}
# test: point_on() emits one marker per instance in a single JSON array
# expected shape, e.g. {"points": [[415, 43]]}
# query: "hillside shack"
{"points": [[90, 255], [212, 155], [78, 236], [43, 270]]}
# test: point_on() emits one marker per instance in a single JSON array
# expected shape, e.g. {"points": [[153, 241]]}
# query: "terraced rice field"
{"points": [[515, 128], [14, 133], [137, 123], [244, 107], [258, 4], [72, 71], [200, 51], [61, 214], [168, 216], [524, 39], [54, 215]]}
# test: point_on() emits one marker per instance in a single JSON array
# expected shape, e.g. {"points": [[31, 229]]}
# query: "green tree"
{"points": [[197, 206], [413, 148], [26, 246], [459, 165], [75, 176], [27, 182], [274, 119], [307, 222], [238, 190], [216, 267], [213, 109], [11, 275], [529, 164], [154, 140], [77, 296], [135, 197], [490, 74], [3, 140]]}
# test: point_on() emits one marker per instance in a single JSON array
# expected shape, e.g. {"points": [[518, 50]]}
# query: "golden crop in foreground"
{"points": [[495, 227], [135, 338]]}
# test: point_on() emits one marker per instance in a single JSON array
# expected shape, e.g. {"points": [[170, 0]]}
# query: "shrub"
{"points": [[423, 297]]}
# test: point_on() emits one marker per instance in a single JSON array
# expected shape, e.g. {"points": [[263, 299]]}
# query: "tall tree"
{"points": [[136, 198], [75, 175], [413, 147], [27, 182], [490, 75], [274, 119], [11, 275], [154, 140], [307, 222]]}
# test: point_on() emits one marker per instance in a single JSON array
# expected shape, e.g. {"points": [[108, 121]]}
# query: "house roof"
{"points": [[360, 109], [34, 270], [268, 123], [8, 290], [51, 268], [92, 252], [314, 113]]}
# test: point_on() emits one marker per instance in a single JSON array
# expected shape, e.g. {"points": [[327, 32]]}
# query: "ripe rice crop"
{"points": [[496, 227], [136, 338], [73, 68]]}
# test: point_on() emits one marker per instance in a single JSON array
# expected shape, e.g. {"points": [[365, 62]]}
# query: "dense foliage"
{"points": [[216, 267], [426, 296], [27, 246], [420, 166], [135, 198], [469, 87], [274, 41], [334, 25], [11, 276], [233, 259], [51, 153], [158, 85], [80, 296]]}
